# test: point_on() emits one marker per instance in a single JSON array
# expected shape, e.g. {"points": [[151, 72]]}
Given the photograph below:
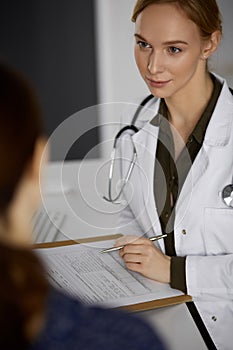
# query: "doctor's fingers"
{"points": [[131, 239], [133, 258], [128, 239], [141, 264], [155, 266], [142, 249]]}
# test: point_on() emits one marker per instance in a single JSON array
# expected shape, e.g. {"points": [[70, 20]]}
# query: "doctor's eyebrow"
{"points": [[138, 36], [170, 42]]}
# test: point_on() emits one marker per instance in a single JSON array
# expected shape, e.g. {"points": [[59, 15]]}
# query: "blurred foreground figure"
{"points": [[34, 315]]}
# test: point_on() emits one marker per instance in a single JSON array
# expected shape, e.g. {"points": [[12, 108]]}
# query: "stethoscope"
{"points": [[226, 194], [133, 130]]}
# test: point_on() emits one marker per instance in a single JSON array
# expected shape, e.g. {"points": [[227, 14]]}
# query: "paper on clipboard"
{"points": [[100, 279]]}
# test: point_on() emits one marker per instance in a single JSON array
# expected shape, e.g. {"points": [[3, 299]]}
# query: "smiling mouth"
{"points": [[158, 83]]}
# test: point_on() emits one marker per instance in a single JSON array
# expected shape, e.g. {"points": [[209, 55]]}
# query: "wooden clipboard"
{"points": [[148, 305]]}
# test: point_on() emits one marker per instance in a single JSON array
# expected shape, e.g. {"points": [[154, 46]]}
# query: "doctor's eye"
{"points": [[174, 50], [143, 44]]}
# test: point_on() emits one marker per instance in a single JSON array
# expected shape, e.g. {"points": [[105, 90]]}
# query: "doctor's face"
{"points": [[168, 50]]}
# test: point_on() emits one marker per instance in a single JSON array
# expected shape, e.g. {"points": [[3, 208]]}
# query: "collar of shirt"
{"points": [[199, 131]]}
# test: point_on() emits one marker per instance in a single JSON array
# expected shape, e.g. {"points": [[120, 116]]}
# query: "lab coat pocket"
{"points": [[218, 231]]}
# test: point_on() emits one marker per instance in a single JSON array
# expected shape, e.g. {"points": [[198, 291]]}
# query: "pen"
{"points": [[113, 249]]}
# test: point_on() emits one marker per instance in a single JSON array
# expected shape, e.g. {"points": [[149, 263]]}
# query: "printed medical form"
{"points": [[82, 271]]}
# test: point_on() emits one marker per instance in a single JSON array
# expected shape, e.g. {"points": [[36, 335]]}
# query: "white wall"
{"points": [[223, 60], [118, 76]]}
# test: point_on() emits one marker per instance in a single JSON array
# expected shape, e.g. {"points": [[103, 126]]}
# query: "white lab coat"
{"points": [[203, 223]]}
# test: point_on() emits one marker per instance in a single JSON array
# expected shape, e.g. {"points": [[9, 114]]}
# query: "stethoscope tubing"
{"points": [[226, 194], [129, 172], [134, 129]]}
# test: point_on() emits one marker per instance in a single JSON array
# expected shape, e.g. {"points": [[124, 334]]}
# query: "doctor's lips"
{"points": [[157, 83]]}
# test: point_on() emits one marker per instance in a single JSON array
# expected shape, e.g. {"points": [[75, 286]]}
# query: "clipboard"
{"points": [[145, 306]]}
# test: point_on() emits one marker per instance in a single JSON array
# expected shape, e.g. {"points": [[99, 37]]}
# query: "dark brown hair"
{"points": [[23, 285], [204, 13], [23, 290], [20, 126]]}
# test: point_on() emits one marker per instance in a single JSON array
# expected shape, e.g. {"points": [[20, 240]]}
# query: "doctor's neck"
{"points": [[187, 105]]}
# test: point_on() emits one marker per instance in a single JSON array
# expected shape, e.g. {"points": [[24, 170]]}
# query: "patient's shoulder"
{"points": [[72, 325]]}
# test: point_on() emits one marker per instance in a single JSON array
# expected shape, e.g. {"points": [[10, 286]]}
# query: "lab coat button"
{"points": [[214, 318], [184, 232]]}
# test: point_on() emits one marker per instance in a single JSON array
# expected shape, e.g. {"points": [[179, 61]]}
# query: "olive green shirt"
{"points": [[169, 177]]}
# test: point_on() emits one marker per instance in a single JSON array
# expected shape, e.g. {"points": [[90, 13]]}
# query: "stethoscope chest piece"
{"points": [[227, 195]]}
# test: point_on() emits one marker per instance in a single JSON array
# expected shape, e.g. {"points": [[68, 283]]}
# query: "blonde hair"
{"points": [[204, 13]]}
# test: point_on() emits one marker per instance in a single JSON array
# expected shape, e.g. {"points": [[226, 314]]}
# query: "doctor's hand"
{"points": [[141, 255]]}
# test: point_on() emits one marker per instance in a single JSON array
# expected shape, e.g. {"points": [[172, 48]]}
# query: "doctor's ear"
{"points": [[211, 45]]}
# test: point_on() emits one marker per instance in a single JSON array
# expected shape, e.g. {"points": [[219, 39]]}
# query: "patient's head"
{"points": [[21, 146], [23, 285]]}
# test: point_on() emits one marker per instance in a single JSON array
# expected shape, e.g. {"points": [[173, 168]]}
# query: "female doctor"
{"points": [[184, 161]]}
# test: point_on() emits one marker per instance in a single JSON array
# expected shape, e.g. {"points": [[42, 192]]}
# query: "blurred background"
{"points": [[79, 54]]}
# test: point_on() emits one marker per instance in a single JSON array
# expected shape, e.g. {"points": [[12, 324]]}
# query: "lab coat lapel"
{"points": [[145, 142], [197, 170], [217, 135]]}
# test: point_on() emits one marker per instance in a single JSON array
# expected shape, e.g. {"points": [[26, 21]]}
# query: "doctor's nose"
{"points": [[155, 63]]}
